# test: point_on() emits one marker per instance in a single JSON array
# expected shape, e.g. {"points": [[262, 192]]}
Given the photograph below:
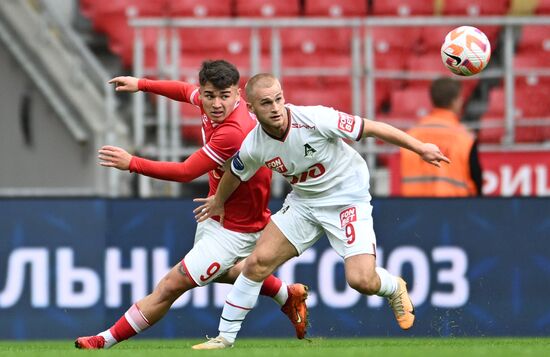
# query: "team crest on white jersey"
{"points": [[277, 165], [309, 150]]}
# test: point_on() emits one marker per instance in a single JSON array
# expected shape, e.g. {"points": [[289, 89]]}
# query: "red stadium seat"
{"points": [[402, 7], [335, 8], [530, 103], [330, 92], [267, 8], [543, 7], [410, 104], [475, 7], [308, 47], [200, 8], [535, 38]]}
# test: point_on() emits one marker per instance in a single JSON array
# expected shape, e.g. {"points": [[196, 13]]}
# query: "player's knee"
{"points": [[257, 268], [364, 284], [169, 289]]}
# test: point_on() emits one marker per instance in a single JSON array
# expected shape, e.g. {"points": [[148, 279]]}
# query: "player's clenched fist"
{"points": [[125, 84]]}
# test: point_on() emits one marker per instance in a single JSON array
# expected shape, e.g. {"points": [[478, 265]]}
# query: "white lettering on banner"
{"points": [[67, 275], [287, 270], [37, 261], [542, 180], [116, 276], [450, 265], [454, 276], [420, 269], [511, 183], [525, 180], [327, 290]]}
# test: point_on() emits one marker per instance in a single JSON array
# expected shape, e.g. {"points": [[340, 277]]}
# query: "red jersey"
{"points": [[246, 210]]}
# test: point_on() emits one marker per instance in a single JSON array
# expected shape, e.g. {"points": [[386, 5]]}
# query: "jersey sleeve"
{"points": [[332, 123], [224, 143], [176, 90], [195, 166], [244, 165]]}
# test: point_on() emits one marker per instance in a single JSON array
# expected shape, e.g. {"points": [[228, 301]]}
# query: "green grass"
{"points": [[379, 347]]}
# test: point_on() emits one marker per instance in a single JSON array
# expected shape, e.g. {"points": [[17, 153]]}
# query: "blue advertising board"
{"points": [[475, 267]]}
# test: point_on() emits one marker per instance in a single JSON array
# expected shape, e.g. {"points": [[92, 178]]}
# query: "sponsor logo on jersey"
{"points": [[346, 122], [238, 163], [276, 164], [309, 150], [347, 216]]}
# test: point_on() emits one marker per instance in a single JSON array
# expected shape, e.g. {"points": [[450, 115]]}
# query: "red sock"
{"points": [[271, 286], [130, 324]]}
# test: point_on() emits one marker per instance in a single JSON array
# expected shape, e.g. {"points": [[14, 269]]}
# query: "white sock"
{"points": [[240, 300], [109, 339], [388, 283], [282, 295]]}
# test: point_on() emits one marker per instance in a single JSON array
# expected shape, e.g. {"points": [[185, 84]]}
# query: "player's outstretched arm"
{"points": [[125, 84], [214, 205], [427, 151]]}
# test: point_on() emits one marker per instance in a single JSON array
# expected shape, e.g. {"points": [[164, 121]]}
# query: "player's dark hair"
{"points": [[444, 91], [220, 73]]}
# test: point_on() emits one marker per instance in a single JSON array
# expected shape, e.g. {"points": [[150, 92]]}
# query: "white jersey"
{"points": [[322, 169]]}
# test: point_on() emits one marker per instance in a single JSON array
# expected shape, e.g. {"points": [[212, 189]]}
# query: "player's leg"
{"points": [[351, 233], [144, 313], [272, 286], [363, 276], [288, 234]]}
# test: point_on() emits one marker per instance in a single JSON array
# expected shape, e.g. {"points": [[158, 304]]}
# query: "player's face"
{"points": [[219, 103], [269, 106]]}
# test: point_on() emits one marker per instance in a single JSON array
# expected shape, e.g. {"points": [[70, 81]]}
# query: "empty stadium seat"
{"points": [[543, 7], [334, 93], [534, 38], [410, 104], [200, 8], [335, 8], [402, 7], [267, 8], [530, 103], [475, 7]]}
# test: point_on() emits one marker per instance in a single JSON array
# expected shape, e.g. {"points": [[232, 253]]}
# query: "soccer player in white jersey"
{"points": [[330, 195]]}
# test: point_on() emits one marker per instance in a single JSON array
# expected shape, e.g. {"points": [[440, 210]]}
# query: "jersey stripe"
{"points": [[213, 155], [193, 96]]}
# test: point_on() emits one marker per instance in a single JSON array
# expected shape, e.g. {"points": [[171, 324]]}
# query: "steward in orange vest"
{"points": [[442, 127]]}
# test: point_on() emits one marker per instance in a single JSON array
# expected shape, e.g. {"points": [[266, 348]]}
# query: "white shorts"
{"points": [[216, 249], [349, 228]]}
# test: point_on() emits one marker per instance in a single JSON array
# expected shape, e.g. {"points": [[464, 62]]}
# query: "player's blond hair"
{"points": [[261, 79]]}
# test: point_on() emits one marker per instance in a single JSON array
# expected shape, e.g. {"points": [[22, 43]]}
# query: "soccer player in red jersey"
{"points": [[225, 123]]}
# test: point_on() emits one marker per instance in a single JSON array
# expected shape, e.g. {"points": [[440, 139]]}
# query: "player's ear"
{"points": [[249, 106]]}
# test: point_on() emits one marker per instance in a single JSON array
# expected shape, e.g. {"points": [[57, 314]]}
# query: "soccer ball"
{"points": [[466, 51]]}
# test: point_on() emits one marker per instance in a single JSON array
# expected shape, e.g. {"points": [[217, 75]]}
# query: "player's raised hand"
{"points": [[113, 156], [210, 207], [125, 84], [432, 155]]}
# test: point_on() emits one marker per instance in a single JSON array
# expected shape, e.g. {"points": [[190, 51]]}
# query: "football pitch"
{"points": [[329, 347]]}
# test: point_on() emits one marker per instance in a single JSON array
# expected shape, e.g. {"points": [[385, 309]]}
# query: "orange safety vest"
{"points": [[418, 178]]}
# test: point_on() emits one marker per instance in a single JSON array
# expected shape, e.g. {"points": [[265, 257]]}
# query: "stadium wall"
{"points": [[475, 267], [34, 141]]}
